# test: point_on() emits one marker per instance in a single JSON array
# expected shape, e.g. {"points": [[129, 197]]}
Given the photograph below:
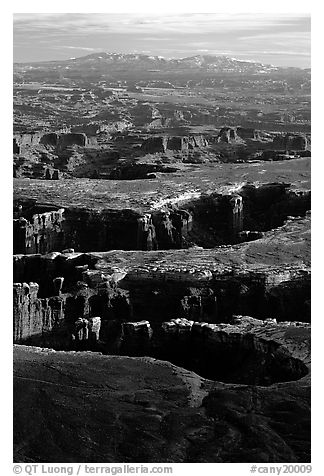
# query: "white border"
{"points": [[274, 6]]}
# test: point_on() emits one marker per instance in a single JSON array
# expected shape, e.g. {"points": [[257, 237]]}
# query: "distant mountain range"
{"points": [[112, 62]]}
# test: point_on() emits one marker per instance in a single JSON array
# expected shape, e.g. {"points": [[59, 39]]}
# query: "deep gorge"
{"points": [[208, 220]]}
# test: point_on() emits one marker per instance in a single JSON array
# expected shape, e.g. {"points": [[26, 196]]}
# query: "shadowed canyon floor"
{"points": [[131, 409]]}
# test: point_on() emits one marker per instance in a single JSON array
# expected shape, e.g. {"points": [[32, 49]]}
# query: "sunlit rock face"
{"points": [[156, 144], [206, 220]]}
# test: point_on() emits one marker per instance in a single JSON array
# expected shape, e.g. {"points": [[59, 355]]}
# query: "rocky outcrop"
{"points": [[150, 410], [247, 279], [94, 128], [274, 154], [245, 350], [58, 284], [170, 227], [290, 142], [34, 317], [35, 165], [182, 144], [227, 135], [94, 324], [177, 143], [153, 145], [248, 351], [268, 205], [42, 234], [135, 338], [108, 229], [248, 138], [209, 220], [248, 133], [16, 147], [68, 140], [51, 139], [146, 234], [86, 331], [54, 174], [206, 220], [28, 139], [96, 285], [235, 386], [78, 228], [54, 140]]}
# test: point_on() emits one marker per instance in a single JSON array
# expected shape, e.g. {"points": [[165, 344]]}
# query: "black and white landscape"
{"points": [[161, 238]]}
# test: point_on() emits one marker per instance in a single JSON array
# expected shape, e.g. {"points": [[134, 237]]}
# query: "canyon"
{"points": [[161, 261], [192, 219], [136, 153], [205, 314]]}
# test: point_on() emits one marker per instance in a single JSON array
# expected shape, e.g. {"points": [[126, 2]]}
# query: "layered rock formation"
{"points": [[233, 383], [52, 174], [189, 291], [249, 133], [67, 140], [263, 279], [227, 135], [28, 139], [184, 306], [41, 234], [205, 220], [77, 228], [140, 404], [16, 147], [290, 142], [50, 139], [34, 316], [54, 140], [248, 351], [178, 143]]}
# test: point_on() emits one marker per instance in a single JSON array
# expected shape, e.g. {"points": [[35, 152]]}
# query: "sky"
{"points": [[281, 39]]}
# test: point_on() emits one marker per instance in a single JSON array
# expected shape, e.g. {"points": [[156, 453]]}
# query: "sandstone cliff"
{"points": [[140, 404], [177, 143]]}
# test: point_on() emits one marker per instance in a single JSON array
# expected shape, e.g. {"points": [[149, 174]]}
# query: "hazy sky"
{"points": [[281, 39]]}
